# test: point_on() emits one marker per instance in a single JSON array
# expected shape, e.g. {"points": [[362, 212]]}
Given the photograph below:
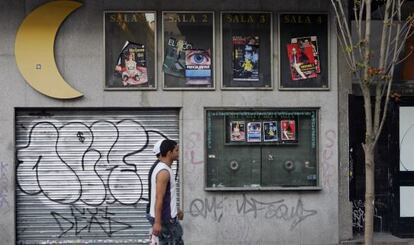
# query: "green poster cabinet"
{"points": [[261, 149]]}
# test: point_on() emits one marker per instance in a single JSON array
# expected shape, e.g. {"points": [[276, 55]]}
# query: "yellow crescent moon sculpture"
{"points": [[34, 49]]}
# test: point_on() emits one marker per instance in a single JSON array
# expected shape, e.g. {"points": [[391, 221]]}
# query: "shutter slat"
{"points": [[69, 190]]}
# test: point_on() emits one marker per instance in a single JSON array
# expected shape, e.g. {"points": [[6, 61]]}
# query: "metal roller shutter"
{"points": [[81, 175]]}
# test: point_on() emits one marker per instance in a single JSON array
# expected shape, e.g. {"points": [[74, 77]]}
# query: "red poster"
{"points": [[288, 130], [304, 62]]}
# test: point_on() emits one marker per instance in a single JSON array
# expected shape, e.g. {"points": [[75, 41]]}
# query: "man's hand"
{"points": [[180, 214], [156, 229]]}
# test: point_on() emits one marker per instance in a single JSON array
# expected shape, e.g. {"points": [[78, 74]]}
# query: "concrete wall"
{"points": [[312, 217]]}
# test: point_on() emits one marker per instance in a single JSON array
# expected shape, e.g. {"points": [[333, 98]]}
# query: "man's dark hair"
{"points": [[166, 146]]}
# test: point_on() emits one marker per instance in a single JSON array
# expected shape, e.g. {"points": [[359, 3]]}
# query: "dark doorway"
{"points": [[385, 164], [390, 178]]}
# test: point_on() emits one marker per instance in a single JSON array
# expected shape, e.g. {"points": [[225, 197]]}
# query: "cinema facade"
{"points": [[256, 94]]}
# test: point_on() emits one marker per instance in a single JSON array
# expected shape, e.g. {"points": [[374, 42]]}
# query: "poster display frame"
{"points": [[226, 168], [320, 83], [165, 84], [109, 62], [226, 80]]}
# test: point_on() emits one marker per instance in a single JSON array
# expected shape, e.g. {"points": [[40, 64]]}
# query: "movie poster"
{"points": [[270, 131], [309, 45], [301, 65], [197, 66], [175, 57], [287, 130], [237, 131], [246, 58], [254, 132], [131, 66]]}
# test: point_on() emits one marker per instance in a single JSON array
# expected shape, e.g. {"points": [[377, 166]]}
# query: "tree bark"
{"points": [[369, 191]]}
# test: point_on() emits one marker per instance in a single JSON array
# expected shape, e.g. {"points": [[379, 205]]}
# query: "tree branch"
{"points": [[397, 51], [382, 57], [349, 58], [345, 35], [343, 24]]}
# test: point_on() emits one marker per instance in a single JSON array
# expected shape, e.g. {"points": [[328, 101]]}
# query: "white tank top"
{"points": [[169, 207]]}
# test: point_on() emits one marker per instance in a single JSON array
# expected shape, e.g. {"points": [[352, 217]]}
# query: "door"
{"points": [[81, 175], [404, 201], [385, 163]]}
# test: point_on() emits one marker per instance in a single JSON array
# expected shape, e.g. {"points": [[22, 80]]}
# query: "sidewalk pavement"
{"points": [[380, 238]]}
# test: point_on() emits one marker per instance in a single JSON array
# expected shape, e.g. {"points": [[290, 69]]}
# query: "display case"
{"points": [[130, 50], [304, 51], [261, 149], [188, 50], [246, 50]]}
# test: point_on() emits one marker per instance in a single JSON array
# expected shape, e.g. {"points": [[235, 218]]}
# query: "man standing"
{"points": [[163, 201]]}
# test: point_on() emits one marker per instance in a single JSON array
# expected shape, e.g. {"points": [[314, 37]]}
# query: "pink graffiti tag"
{"points": [[327, 155], [193, 139]]}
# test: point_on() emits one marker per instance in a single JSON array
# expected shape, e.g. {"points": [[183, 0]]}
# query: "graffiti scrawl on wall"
{"points": [[85, 170], [278, 209], [358, 215]]}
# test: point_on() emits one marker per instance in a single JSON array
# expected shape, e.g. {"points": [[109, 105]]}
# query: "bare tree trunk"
{"points": [[368, 147], [369, 130], [369, 192]]}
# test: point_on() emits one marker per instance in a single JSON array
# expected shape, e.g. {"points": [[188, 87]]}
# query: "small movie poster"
{"points": [[270, 131], [288, 130], [131, 65], [197, 66], [175, 57], [301, 65], [246, 58], [309, 46], [237, 131], [254, 132]]}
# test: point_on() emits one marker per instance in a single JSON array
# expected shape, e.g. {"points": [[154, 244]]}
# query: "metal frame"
{"points": [[155, 50], [271, 52], [318, 172], [328, 88], [212, 52]]}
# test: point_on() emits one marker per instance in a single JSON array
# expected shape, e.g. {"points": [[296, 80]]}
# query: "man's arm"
{"points": [[161, 187]]}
